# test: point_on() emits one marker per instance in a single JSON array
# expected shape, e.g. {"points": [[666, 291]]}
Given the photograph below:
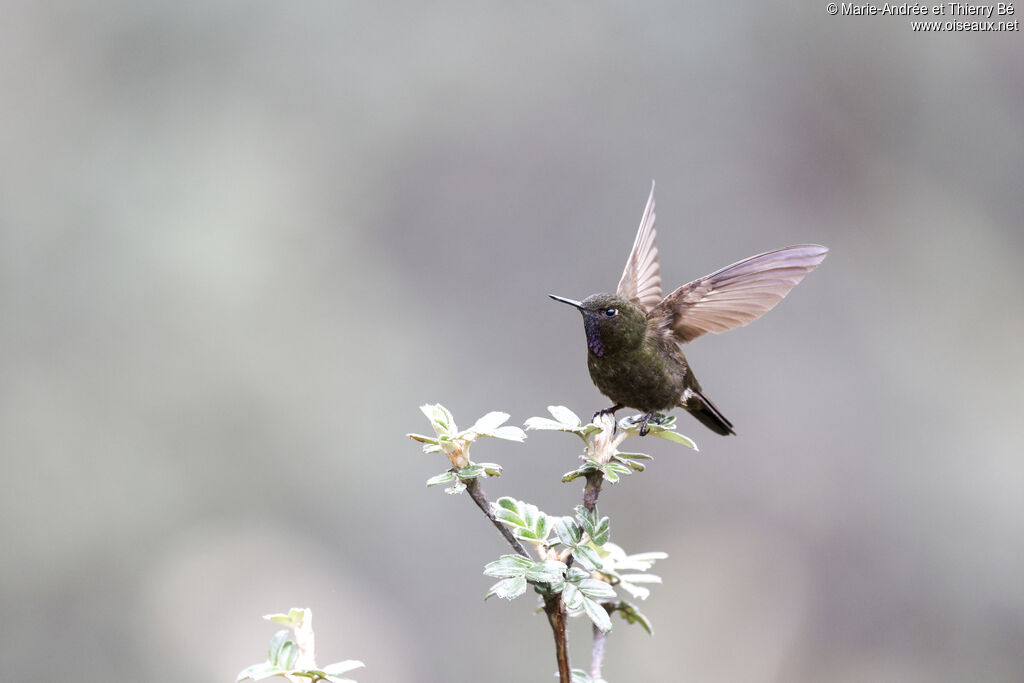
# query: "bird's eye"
{"points": [[610, 312]]}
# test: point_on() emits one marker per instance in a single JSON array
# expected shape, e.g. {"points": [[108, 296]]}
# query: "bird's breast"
{"points": [[648, 378]]}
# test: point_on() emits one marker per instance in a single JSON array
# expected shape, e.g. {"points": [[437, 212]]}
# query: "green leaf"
{"points": [[542, 529], [283, 650], [529, 513], [632, 615], [587, 557], [597, 590], [598, 614], [597, 527], [491, 469], [339, 668], [565, 416], [567, 531], [617, 467], [294, 617], [587, 518], [628, 582], [575, 575], [552, 587], [507, 503], [442, 478], [536, 423], [507, 566], [509, 517], [525, 519], [258, 672], [675, 437], [632, 464], [289, 653], [445, 416], [509, 433], [642, 561], [509, 589], [641, 578], [488, 423], [638, 592], [277, 644], [546, 571], [439, 417], [634, 456], [569, 476], [423, 439], [573, 598], [470, 472], [457, 487]]}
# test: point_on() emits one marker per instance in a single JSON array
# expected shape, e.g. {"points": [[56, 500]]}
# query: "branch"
{"points": [[553, 605], [454, 446], [477, 494], [555, 610], [592, 489], [590, 493]]}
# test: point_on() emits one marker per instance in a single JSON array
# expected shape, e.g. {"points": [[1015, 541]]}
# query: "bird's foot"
{"points": [[607, 411], [643, 425]]}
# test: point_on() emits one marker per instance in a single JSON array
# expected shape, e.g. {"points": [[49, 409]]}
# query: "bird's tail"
{"points": [[701, 407]]}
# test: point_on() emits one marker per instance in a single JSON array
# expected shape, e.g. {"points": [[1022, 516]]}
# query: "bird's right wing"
{"points": [[737, 294], [641, 278]]}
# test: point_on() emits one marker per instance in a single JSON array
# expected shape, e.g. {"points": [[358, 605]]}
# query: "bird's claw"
{"points": [[606, 411], [643, 425]]}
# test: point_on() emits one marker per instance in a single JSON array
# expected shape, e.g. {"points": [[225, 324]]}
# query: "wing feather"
{"points": [[738, 294], [641, 278]]}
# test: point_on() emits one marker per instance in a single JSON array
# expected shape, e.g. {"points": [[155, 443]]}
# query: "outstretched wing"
{"points": [[641, 279], [737, 294]]}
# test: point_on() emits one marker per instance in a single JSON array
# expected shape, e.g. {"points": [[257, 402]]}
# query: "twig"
{"points": [[597, 654], [592, 489], [553, 606], [590, 493], [477, 494], [555, 609]]}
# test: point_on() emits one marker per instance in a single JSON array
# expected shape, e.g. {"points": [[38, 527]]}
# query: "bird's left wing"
{"points": [[737, 294], [641, 279]]}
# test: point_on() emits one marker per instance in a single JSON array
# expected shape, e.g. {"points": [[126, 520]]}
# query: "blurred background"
{"points": [[243, 242]]}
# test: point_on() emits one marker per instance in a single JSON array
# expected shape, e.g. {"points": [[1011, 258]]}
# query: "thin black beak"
{"points": [[577, 304]]}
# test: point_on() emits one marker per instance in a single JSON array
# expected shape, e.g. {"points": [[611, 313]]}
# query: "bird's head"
{"points": [[612, 323]]}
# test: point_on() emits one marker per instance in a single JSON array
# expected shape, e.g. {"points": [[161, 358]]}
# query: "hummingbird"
{"points": [[634, 335]]}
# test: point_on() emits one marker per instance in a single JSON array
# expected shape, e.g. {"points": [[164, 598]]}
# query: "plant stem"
{"points": [[592, 490], [555, 610], [590, 494], [597, 654], [477, 494]]}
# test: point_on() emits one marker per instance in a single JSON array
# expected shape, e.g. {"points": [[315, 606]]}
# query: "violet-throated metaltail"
{"points": [[634, 335]]}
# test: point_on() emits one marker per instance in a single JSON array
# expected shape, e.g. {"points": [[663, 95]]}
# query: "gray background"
{"points": [[243, 242]]}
